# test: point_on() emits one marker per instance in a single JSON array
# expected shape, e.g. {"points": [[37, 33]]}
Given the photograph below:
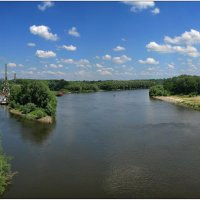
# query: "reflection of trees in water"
{"points": [[36, 132]]}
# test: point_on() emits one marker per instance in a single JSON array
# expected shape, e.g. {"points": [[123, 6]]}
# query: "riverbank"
{"points": [[46, 119], [190, 102]]}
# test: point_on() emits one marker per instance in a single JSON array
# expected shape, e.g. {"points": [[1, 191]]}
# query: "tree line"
{"points": [[180, 85]]}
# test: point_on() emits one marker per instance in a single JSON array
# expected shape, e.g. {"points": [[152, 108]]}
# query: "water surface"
{"points": [[106, 145]]}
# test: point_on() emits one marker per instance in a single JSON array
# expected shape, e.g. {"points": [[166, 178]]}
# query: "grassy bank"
{"points": [[30, 116], [5, 171], [186, 100]]}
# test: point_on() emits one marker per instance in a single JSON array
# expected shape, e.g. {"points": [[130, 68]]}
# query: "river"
{"points": [[106, 145]]}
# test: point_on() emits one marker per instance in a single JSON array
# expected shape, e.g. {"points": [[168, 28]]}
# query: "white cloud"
{"points": [[12, 65], [69, 48], [137, 6], [166, 48], [73, 31], [121, 59], [20, 65], [155, 11], [45, 54], [107, 57], [67, 61], [56, 66], [170, 66], [99, 65], [119, 48], [44, 32], [45, 5], [83, 63], [187, 38], [30, 44], [104, 70], [150, 61]]}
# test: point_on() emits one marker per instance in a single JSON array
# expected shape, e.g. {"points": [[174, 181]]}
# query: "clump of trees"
{"points": [[180, 85], [158, 90], [33, 98]]}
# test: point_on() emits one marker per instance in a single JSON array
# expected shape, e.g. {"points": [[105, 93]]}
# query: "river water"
{"points": [[106, 145]]}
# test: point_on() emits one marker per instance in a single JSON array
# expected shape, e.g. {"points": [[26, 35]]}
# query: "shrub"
{"points": [[158, 90], [29, 107], [36, 114]]}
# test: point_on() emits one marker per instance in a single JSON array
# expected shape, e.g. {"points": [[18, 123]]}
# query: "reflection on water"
{"points": [[106, 145], [34, 131]]}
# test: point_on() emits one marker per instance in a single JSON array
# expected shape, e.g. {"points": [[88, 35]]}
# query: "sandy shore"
{"points": [[191, 102], [46, 120]]}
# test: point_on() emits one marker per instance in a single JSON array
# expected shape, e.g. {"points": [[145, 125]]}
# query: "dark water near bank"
{"points": [[106, 145]]}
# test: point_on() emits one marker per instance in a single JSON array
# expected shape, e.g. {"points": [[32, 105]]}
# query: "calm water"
{"points": [[106, 145]]}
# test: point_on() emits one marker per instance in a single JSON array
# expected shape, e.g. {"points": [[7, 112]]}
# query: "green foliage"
{"points": [[36, 114], [158, 90], [33, 98], [29, 107], [93, 86], [5, 171], [183, 84]]}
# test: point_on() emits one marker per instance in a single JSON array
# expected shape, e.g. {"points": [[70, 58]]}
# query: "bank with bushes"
{"points": [[182, 90], [33, 100]]}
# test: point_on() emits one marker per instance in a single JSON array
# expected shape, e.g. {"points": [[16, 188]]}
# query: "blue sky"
{"points": [[100, 40]]}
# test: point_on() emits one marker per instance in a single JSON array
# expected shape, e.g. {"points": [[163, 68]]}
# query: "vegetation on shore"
{"points": [[5, 171], [94, 86], [182, 90], [33, 99], [181, 85]]}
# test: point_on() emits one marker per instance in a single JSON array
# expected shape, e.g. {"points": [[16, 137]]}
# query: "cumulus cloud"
{"points": [[170, 66], [44, 32], [44, 5], [31, 44], [167, 48], [12, 65], [155, 11], [99, 65], [121, 59], [104, 70], [55, 66], [69, 47], [67, 61], [73, 31], [139, 5], [187, 38], [83, 63], [107, 57], [119, 48], [149, 61], [45, 54]]}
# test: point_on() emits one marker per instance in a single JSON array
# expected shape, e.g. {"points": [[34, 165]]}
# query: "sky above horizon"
{"points": [[99, 40]]}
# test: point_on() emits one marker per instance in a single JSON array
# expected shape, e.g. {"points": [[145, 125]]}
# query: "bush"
{"points": [[29, 107], [158, 90], [5, 171], [36, 114]]}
